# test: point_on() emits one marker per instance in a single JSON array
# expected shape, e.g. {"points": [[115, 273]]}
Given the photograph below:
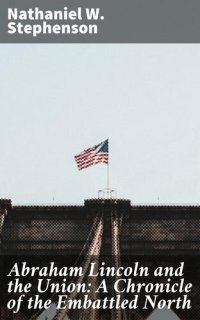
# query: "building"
{"points": [[150, 234]]}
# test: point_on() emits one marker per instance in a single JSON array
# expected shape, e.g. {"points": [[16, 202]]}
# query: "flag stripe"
{"points": [[86, 165], [93, 161], [82, 158], [95, 156], [85, 153]]}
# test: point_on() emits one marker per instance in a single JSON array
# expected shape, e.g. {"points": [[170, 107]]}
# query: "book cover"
{"points": [[99, 165]]}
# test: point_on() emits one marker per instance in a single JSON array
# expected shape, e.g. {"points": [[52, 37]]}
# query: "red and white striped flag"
{"points": [[94, 155]]}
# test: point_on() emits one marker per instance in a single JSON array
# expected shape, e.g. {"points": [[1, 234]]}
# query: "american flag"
{"points": [[94, 155]]}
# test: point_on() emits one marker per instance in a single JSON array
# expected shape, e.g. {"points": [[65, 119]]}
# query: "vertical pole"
{"points": [[108, 181], [108, 174]]}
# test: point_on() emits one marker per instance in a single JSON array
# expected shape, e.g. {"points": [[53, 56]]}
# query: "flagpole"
{"points": [[108, 182], [108, 173]]}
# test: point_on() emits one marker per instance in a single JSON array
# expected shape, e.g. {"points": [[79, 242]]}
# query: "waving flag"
{"points": [[94, 155]]}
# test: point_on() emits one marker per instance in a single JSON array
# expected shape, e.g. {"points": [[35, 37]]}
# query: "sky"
{"points": [[57, 100]]}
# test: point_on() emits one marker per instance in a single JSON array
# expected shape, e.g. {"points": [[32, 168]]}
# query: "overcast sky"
{"points": [[57, 100]]}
